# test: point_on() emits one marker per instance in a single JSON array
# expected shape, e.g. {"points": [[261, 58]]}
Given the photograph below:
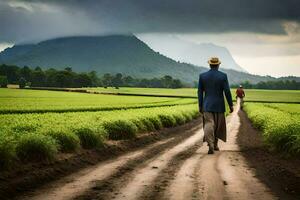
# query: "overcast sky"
{"points": [[262, 35]]}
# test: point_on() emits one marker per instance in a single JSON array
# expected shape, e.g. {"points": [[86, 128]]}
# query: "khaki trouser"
{"points": [[214, 128], [241, 101]]}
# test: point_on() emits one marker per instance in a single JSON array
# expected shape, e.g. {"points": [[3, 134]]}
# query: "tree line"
{"points": [[272, 85], [67, 78], [37, 77]]}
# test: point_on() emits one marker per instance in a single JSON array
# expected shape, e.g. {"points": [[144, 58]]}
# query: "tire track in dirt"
{"points": [[199, 176], [148, 175], [130, 183], [224, 175], [241, 182], [150, 179], [209, 182], [139, 188], [80, 182], [167, 175], [184, 185], [64, 189]]}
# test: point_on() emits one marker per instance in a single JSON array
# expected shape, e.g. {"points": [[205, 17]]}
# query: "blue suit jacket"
{"points": [[211, 88]]}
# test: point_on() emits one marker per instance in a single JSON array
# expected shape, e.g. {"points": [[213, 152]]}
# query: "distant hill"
{"points": [[185, 51], [110, 54], [206, 50], [290, 78]]}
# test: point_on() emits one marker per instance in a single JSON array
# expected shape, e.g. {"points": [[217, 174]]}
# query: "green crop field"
{"points": [[251, 94], [28, 101], [38, 124], [273, 95], [36, 136], [280, 124]]}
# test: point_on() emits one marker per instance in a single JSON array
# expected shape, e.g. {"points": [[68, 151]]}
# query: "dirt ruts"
{"points": [[71, 186]]}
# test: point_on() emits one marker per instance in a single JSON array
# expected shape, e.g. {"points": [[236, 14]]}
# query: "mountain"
{"points": [[190, 52], [104, 54], [124, 54], [206, 50]]}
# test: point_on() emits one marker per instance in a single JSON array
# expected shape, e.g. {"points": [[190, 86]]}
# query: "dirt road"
{"points": [[174, 168]]}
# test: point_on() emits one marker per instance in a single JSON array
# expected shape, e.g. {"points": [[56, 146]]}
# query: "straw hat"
{"points": [[214, 61]]}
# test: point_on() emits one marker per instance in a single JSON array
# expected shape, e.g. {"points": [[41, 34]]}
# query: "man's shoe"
{"points": [[216, 149], [210, 151]]}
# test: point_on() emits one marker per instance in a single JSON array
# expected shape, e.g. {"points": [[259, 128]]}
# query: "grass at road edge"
{"points": [[280, 127]]}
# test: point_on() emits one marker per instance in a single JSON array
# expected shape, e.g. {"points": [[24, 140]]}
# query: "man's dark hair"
{"points": [[214, 66]]}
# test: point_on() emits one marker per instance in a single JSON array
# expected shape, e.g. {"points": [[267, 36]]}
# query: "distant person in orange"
{"points": [[240, 94]]}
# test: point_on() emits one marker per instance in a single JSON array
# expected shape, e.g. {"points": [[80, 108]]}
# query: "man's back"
{"points": [[213, 84], [240, 93]]}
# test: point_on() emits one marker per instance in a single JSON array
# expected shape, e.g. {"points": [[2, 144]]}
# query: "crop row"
{"points": [[13, 101], [251, 94], [61, 109], [279, 124], [41, 136], [290, 108]]}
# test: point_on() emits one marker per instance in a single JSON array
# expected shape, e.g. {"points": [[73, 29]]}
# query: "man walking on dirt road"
{"points": [[211, 88], [240, 94]]}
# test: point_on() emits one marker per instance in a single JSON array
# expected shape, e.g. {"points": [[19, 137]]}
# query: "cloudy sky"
{"points": [[262, 35]]}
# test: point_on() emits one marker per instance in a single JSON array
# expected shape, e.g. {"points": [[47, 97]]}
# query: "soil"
{"points": [[279, 172], [170, 164]]}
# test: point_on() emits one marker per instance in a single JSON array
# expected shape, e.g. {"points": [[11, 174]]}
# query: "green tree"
{"points": [[167, 81], [64, 78], [11, 72], [143, 83], [22, 83], [128, 81], [82, 80], [156, 83], [176, 84], [94, 78], [25, 72], [117, 80], [3, 81], [51, 77], [68, 69], [38, 78], [107, 80], [38, 68]]}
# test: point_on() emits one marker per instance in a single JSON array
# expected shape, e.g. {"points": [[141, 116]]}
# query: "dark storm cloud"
{"points": [[41, 19]]}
